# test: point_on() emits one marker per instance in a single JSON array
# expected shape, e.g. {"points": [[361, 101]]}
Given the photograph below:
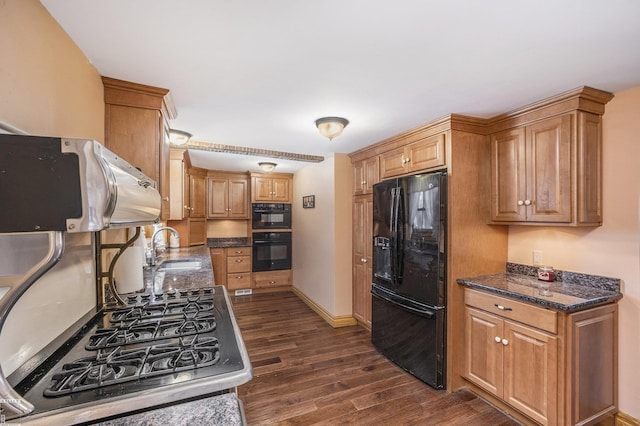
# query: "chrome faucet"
{"points": [[152, 260]]}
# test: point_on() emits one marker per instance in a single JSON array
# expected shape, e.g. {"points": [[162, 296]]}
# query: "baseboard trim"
{"points": [[623, 419], [335, 322]]}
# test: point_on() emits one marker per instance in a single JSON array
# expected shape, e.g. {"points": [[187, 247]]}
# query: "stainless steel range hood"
{"points": [[56, 185], [73, 185]]}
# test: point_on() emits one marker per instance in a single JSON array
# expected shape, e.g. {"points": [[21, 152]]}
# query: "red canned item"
{"points": [[545, 273]]}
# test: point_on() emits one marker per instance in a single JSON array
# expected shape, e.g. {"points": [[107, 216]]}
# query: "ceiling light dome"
{"points": [[267, 166], [331, 127], [179, 137]]}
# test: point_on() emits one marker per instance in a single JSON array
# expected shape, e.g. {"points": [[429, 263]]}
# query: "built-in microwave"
{"points": [[271, 216]]}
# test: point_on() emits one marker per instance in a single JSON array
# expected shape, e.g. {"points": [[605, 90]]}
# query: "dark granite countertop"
{"points": [[228, 242], [216, 410], [158, 281], [569, 295]]}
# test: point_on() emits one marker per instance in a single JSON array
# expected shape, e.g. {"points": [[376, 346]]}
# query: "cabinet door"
{"points": [[371, 174], [530, 372], [508, 176], [368, 250], [197, 198], [218, 200], [549, 170], [392, 163], [358, 178], [426, 154], [262, 189], [359, 260], [483, 350], [219, 265], [238, 200], [280, 188]]}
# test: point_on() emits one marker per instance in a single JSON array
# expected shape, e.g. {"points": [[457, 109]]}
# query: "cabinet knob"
{"points": [[520, 202], [272, 282], [498, 339], [239, 277], [238, 260], [527, 202], [505, 342], [364, 260], [238, 251], [165, 199], [364, 182]]}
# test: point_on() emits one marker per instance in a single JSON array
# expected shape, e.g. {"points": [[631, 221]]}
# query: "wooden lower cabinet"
{"points": [[268, 279], [231, 267], [362, 258], [515, 352]]}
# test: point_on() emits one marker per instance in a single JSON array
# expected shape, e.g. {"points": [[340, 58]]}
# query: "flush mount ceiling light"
{"points": [[267, 166], [331, 127], [179, 137]]}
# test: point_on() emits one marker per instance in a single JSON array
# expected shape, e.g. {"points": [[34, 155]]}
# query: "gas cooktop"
{"points": [[174, 345]]}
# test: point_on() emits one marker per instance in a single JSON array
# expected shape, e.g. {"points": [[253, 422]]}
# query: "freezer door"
{"points": [[411, 335], [384, 203]]}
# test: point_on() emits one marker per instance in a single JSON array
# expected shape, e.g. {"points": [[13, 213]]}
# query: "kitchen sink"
{"points": [[180, 265]]}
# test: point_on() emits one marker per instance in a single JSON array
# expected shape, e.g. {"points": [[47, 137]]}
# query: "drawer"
{"points": [[534, 316], [238, 251], [238, 264], [272, 278], [239, 280]]}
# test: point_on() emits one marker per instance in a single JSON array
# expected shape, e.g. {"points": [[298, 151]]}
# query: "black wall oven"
{"points": [[271, 251], [270, 216]]}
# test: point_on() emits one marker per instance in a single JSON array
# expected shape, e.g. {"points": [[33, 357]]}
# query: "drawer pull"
{"points": [[502, 308], [498, 339], [239, 261], [238, 251], [272, 282], [505, 342], [239, 277]]}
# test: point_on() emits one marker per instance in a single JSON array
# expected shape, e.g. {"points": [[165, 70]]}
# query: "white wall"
{"points": [[612, 250], [322, 235]]}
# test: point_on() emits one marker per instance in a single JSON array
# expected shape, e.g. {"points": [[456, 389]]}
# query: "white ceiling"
{"points": [[257, 73]]}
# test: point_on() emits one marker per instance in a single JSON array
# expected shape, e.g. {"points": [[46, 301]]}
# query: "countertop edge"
{"points": [[575, 307]]}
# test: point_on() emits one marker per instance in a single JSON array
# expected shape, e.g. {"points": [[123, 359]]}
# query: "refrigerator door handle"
{"points": [[392, 235], [427, 313], [400, 233]]}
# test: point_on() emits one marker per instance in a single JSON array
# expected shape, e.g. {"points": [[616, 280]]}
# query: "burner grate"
{"points": [[123, 365]]}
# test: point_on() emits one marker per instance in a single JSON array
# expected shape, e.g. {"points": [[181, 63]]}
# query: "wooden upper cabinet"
{"points": [[228, 196], [365, 175], [136, 129], [535, 172], [546, 161], [414, 157], [275, 188], [197, 195]]}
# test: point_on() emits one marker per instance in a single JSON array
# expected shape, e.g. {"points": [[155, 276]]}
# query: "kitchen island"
{"points": [[548, 358]]}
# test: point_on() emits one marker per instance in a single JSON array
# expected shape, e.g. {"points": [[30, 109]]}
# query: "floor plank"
{"points": [[306, 372]]}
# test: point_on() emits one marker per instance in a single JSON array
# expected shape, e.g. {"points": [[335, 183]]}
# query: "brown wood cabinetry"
{"points": [[535, 359], [228, 196], [189, 221], [546, 167], [231, 267], [269, 279], [136, 129], [365, 174], [238, 268], [271, 187], [197, 193], [179, 185], [414, 157], [362, 258]]}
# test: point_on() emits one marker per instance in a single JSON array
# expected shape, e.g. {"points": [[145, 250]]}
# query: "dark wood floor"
{"points": [[306, 372]]}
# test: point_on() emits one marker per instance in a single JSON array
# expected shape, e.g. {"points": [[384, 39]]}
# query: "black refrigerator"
{"points": [[408, 308]]}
